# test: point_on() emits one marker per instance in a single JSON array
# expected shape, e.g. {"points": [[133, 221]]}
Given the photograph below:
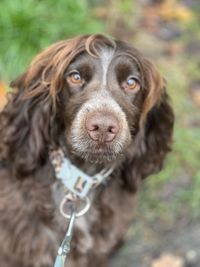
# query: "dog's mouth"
{"points": [[99, 158], [98, 153]]}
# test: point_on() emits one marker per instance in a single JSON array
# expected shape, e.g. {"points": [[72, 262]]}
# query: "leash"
{"points": [[77, 186], [64, 248]]}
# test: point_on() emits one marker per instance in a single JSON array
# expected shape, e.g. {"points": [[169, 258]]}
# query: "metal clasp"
{"points": [[64, 248], [77, 213]]}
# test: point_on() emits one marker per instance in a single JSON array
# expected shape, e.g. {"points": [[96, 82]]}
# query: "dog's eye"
{"points": [[132, 83], [74, 78]]}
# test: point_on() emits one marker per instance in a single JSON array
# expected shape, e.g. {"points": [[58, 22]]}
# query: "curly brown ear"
{"points": [[26, 132], [154, 141]]}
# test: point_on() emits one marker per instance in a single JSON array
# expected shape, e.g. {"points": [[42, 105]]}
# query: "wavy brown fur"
{"points": [[34, 119]]}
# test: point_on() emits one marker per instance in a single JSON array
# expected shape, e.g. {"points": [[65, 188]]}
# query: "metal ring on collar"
{"points": [[77, 214]]}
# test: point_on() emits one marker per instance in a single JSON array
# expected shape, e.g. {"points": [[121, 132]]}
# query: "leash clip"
{"points": [[64, 248]]}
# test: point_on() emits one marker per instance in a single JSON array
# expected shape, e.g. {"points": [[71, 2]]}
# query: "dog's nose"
{"points": [[102, 127]]}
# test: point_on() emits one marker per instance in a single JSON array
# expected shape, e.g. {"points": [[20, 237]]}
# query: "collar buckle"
{"points": [[77, 182]]}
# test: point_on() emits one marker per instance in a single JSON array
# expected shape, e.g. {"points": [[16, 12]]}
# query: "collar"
{"points": [[77, 183]]}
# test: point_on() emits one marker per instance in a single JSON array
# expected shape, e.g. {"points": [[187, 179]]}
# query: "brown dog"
{"points": [[105, 105]]}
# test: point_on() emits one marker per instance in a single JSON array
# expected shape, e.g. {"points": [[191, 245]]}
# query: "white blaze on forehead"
{"points": [[106, 56]]}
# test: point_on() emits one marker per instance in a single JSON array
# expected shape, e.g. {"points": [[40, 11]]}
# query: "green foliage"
{"points": [[27, 26]]}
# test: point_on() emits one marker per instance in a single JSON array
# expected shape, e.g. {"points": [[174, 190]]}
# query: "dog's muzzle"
{"points": [[100, 130]]}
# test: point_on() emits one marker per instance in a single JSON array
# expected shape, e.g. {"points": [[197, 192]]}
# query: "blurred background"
{"points": [[165, 231]]}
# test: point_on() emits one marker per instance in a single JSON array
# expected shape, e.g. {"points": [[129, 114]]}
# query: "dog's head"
{"points": [[97, 93], [111, 88]]}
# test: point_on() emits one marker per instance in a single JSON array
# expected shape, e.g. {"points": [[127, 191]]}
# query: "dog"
{"points": [[106, 106]]}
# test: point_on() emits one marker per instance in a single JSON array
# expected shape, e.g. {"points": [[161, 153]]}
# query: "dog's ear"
{"points": [[31, 121], [27, 128], [155, 136]]}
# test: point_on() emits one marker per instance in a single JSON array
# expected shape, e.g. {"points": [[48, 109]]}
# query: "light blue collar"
{"points": [[75, 180]]}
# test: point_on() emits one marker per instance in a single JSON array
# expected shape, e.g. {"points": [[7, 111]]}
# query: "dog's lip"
{"points": [[98, 156], [100, 152]]}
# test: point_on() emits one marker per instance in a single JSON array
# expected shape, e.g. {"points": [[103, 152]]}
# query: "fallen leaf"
{"points": [[173, 11], [3, 98], [168, 260]]}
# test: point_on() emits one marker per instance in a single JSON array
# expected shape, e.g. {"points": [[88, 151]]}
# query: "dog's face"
{"points": [[99, 129], [106, 96], [96, 93]]}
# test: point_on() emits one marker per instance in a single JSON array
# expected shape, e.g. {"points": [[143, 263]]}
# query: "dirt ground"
{"points": [[150, 244]]}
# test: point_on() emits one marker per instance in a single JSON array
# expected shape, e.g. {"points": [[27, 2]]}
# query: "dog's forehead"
{"points": [[101, 61], [103, 57], [106, 56]]}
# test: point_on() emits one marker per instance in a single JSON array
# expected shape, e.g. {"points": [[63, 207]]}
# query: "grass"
{"points": [[27, 26]]}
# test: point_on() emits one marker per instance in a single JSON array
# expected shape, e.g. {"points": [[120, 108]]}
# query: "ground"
{"points": [[149, 246]]}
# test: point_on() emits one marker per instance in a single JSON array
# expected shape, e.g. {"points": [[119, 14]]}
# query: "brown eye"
{"points": [[75, 78], [132, 84]]}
